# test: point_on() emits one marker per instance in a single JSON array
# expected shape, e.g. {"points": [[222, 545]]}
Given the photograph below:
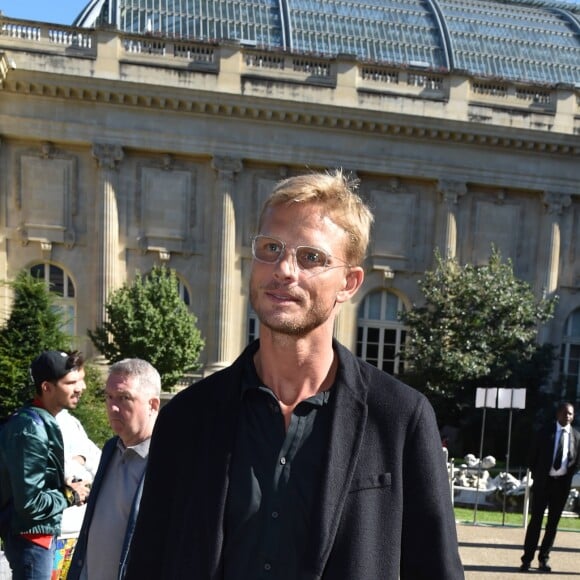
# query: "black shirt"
{"points": [[274, 483]]}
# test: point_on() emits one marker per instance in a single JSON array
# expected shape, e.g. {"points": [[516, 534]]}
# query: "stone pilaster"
{"points": [[107, 276], [449, 193], [5, 291], [555, 205], [549, 263], [224, 289]]}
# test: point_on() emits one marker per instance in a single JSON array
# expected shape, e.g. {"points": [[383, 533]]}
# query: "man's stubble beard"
{"points": [[295, 328]]}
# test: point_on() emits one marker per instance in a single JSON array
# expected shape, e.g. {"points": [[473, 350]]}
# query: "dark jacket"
{"points": [[80, 551], [32, 471], [385, 506], [541, 454]]}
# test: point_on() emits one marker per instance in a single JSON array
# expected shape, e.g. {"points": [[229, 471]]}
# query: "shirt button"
{"points": [[283, 461], [267, 567], [274, 515]]}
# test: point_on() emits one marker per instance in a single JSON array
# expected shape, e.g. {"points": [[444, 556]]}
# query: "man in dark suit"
{"points": [[553, 461], [299, 461]]}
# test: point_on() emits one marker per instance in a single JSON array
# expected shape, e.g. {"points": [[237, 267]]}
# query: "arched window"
{"points": [[380, 334], [570, 356], [61, 285]]}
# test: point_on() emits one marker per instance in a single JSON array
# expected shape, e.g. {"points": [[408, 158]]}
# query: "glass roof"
{"points": [[533, 40]]}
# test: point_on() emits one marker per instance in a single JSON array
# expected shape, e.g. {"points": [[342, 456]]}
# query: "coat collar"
{"points": [[349, 416]]}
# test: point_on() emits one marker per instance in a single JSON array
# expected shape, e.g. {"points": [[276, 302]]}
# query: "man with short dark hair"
{"points": [[553, 461], [33, 488]]}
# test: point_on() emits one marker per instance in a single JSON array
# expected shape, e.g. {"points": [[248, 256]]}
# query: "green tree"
{"points": [[147, 319], [477, 328], [91, 410], [35, 324]]}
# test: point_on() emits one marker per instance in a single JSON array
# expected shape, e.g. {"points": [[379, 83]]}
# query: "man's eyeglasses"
{"points": [[270, 251]]}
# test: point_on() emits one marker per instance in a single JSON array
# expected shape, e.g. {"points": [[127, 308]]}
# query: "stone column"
{"points": [[549, 263], [449, 192], [5, 290], [225, 280], [107, 276]]}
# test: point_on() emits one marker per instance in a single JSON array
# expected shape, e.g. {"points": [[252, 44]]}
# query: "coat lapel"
{"points": [[221, 443], [349, 415], [573, 447]]}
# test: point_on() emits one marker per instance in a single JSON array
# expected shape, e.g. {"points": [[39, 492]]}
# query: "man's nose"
{"points": [[287, 263]]}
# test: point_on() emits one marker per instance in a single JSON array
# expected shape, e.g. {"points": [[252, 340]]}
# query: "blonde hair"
{"points": [[338, 194]]}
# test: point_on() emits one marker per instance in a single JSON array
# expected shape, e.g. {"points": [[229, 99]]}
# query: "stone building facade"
{"points": [[122, 151]]}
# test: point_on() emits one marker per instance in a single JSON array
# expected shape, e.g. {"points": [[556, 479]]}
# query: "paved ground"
{"points": [[494, 552]]}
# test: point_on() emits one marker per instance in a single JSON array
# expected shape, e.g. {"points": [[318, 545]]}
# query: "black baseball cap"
{"points": [[51, 365]]}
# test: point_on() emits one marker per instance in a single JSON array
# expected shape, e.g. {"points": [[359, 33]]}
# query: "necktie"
{"points": [[559, 451]]}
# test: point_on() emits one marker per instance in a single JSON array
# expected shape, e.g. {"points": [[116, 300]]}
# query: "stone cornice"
{"points": [[296, 113]]}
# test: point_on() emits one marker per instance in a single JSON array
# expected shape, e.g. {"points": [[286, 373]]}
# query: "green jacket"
{"points": [[32, 471]]}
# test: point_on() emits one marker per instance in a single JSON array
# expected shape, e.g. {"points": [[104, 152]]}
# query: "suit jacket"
{"points": [[80, 551], [542, 454], [384, 509]]}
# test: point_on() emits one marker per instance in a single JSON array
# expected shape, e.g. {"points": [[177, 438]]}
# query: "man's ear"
{"points": [[155, 403], [352, 282]]}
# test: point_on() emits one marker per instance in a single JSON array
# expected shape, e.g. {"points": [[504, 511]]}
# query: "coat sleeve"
{"points": [[29, 469], [429, 548]]}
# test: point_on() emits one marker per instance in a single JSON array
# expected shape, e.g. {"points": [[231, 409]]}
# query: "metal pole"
{"points": [[479, 467], [507, 463]]}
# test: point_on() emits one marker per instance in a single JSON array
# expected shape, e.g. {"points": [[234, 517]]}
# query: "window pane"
{"points": [[373, 335], [389, 367], [389, 352], [575, 324], [37, 271], [392, 306], [372, 351], [390, 336], [56, 280], [374, 306]]}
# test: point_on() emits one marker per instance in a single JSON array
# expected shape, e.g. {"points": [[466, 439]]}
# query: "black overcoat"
{"points": [[384, 510]]}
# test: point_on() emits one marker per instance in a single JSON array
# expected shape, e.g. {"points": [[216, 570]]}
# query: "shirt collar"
{"points": [[141, 449], [251, 380]]}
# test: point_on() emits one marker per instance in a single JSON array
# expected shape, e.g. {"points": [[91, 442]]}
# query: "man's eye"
{"points": [[273, 248], [311, 257]]}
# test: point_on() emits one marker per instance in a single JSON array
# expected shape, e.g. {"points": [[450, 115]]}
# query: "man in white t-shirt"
{"points": [[81, 460]]}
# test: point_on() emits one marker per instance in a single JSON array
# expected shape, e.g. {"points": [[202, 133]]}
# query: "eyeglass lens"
{"points": [[270, 250]]}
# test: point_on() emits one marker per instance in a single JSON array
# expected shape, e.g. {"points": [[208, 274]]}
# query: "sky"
{"points": [[52, 11], [55, 11]]}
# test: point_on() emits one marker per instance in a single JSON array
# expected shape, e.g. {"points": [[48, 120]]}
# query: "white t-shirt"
{"points": [[76, 442]]}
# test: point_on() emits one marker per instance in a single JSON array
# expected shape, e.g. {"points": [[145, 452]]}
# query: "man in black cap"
{"points": [[33, 490]]}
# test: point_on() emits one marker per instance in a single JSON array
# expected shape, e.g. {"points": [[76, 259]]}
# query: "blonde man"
{"points": [[300, 461]]}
